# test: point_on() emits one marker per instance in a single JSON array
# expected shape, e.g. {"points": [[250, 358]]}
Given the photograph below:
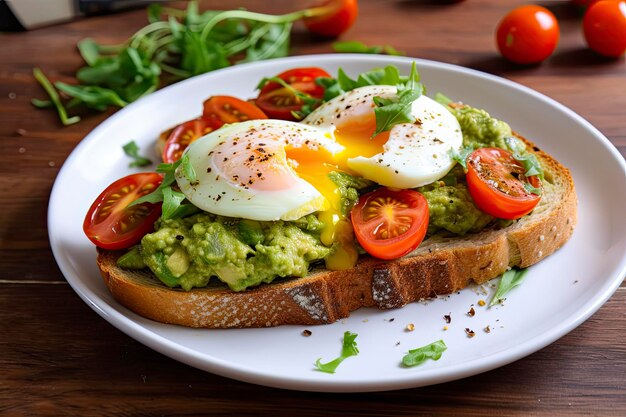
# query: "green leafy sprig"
{"points": [[349, 348], [510, 279], [420, 355], [167, 192], [178, 43], [132, 150], [357, 47]]}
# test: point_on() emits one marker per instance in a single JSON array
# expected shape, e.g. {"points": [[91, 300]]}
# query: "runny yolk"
{"points": [[355, 134], [313, 166]]}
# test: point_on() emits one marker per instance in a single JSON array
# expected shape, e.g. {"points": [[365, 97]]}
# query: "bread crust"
{"points": [[440, 265]]}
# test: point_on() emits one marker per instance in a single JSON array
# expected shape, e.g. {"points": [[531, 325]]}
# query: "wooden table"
{"points": [[58, 357]]}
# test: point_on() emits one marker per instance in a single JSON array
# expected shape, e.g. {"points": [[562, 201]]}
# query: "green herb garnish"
{"points": [[173, 200], [510, 279], [349, 349], [54, 98], [361, 48], [420, 355], [175, 43], [392, 111], [132, 150], [461, 155]]}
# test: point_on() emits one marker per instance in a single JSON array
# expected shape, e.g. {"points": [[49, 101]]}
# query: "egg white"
{"points": [[415, 154], [219, 188]]}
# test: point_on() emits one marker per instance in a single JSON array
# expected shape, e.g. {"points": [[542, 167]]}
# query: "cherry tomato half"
{"points": [[185, 133], [604, 26], [280, 102], [388, 223], [335, 20], [527, 34], [231, 110], [496, 183], [111, 224]]}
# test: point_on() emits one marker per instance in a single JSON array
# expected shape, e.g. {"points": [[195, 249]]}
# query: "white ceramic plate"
{"points": [[557, 295]]}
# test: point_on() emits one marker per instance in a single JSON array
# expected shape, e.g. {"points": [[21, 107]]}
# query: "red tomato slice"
{"points": [[231, 110], [388, 223], [111, 224], [496, 183], [184, 134], [528, 34], [280, 102], [335, 20]]}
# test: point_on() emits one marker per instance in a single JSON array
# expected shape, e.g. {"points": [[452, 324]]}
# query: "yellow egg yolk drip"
{"points": [[313, 166]]}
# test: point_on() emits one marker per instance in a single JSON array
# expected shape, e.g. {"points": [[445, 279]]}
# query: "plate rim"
{"points": [[152, 339]]}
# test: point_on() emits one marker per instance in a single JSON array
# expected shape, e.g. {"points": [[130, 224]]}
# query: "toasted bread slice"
{"points": [[440, 265]]}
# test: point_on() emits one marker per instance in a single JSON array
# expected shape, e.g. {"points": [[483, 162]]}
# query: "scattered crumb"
{"points": [[365, 320], [21, 132], [448, 318], [471, 312], [487, 329], [469, 332], [22, 150], [12, 95], [445, 327], [51, 163], [481, 302], [410, 327], [306, 333]]}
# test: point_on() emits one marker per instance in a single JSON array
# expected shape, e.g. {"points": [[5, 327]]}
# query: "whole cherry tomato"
{"points": [[528, 34], [337, 18], [389, 223], [497, 183], [604, 26]]}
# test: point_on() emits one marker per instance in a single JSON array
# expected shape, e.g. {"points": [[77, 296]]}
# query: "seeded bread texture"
{"points": [[440, 265]]}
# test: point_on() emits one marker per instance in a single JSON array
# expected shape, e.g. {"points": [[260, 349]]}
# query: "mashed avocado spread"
{"points": [[187, 252]]}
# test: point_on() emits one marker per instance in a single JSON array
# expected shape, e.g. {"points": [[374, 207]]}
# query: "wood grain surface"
{"points": [[58, 357]]}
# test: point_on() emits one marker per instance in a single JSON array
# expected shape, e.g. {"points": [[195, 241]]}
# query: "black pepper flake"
{"points": [[306, 333], [471, 312], [180, 237], [208, 169], [447, 318], [469, 332]]}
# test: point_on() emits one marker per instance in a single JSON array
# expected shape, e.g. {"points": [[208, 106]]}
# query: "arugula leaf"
{"points": [[96, 97], [54, 98], [348, 349], [420, 355], [461, 155], [442, 99], [171, 197], [131, 149], [181, 43], [390, 112], [510, 279], [89, 50], [361, 48]]}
